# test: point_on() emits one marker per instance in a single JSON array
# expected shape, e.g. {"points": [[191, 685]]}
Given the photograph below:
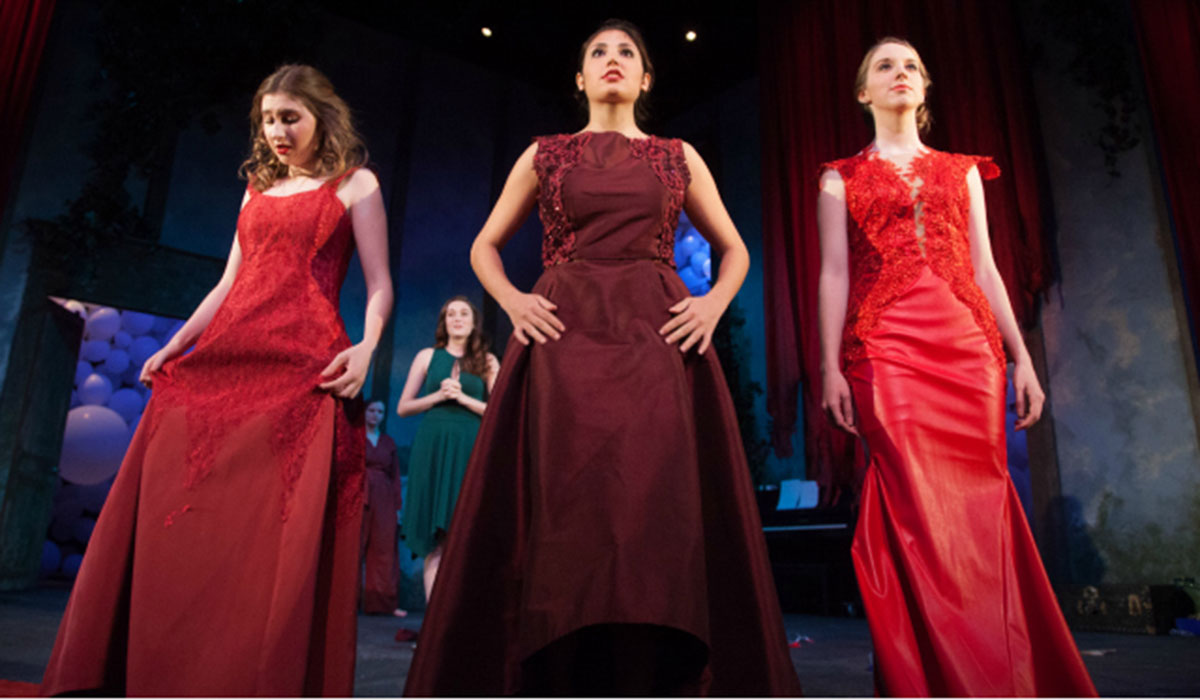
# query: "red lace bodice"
{"points": [[581, 175], [886, 252], [276, 330]]}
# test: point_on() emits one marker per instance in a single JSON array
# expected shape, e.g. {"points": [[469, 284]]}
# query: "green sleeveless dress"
{"points": [[439, 457]]}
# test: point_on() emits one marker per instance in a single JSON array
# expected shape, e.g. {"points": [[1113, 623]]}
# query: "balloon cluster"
{"points": [[106, 406], [693, 258]]}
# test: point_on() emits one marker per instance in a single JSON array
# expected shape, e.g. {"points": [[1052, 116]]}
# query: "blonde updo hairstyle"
{"points": [[924, 117], [339, 146]]}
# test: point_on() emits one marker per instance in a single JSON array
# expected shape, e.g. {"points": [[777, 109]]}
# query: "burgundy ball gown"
{"points": [[606, 540]]}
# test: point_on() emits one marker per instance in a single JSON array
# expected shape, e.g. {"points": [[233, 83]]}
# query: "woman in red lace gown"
{"points": [[606, 540], [225, 561], [912, 314]]}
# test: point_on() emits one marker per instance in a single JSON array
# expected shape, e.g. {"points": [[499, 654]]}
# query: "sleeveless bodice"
{"points": [[441, 365], [274, 333], [581, 176], [902, 222]]}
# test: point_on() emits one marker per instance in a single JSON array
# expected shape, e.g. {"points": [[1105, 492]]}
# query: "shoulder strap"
{"points": [[338, 180]]}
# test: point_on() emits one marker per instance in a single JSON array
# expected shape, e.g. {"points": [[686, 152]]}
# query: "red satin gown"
{"points": [[225, 561], [956, 597], [606, 540]]}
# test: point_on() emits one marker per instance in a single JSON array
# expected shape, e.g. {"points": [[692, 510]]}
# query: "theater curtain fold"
{"points": [[982, 103], [23, 28], [1168, 33]]}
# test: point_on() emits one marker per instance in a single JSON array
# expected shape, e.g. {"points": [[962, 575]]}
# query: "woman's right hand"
{"points": [[153, 364], [837, 401], [532, 316]]}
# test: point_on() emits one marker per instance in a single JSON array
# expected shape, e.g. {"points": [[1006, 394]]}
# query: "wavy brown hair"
{"points": [[339, 146], [924, 117], [641, 108], [474, 359]]}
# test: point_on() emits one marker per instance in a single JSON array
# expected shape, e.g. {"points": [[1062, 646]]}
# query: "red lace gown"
{"points": [[606, 539], [955, 593], [225, 561]]}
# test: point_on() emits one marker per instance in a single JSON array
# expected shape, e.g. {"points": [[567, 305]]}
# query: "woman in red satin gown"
{"points": [[912, 315], [606, 539], [225, 561], [381, 568]]}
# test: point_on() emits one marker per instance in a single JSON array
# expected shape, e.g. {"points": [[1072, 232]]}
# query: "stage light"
{"points": [[690, 36], [486, 31]]}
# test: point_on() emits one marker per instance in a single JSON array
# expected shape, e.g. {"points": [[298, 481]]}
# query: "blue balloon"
{"points": [[136, 323], [83, 370], [697, 261], [690, 279], [706, 273], [95, 390], [82, 532], [127, 403], [95, 350], [689, 244], [141, 349], [116, 364], [71, 564], [51, 558], [121, 340]]}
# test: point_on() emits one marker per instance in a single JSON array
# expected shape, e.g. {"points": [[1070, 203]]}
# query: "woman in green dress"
{"points": [[448, 383]]}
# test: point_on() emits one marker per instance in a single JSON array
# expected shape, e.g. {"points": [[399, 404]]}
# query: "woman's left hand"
{"points": [[355, 361], [1030, 396], [694, 320]]}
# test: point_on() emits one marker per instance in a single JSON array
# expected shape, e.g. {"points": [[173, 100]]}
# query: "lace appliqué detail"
{"points": [[555, 157], [887, 252], [261, 356], [666, 158]]}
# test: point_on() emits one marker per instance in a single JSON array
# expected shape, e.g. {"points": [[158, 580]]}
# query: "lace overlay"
{"points": [[555, 158], [665, 157], [903, 221], [261, 356]]}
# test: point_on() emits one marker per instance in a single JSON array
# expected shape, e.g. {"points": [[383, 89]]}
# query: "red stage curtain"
{"points": [[982, 103], [23, 28], [1169, 38]]}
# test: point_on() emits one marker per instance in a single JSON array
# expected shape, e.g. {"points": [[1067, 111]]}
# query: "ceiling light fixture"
{"points": [[690, 36], [486, 31]]}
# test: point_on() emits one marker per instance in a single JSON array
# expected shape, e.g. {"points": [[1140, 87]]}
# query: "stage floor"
{"points": [[835, 663]]}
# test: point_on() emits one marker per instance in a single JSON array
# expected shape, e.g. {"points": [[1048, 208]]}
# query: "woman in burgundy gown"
{"points": [[912, 316], [380, 566], [606, 540], [225, 561]]}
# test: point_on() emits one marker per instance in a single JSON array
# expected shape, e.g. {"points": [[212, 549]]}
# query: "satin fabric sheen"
{"points": [[607, 502], [225, 560], [956, 597]]}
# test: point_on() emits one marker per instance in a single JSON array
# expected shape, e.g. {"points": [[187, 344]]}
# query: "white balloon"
{"points": [[76, 308], [137, 323], [94, 444], [121, 339], [116, 364], [102, 324], [95, 350], [141, 349], [83, 370], [127, 403], [95, 390]]}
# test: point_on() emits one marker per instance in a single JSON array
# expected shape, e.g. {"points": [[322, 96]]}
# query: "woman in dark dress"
{"points": [[607, 540], [914, 318], [380, 568], [225, 561]]}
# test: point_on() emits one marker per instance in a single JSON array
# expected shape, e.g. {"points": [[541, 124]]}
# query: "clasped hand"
{"points": [[354, 362], [451, 390]]}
